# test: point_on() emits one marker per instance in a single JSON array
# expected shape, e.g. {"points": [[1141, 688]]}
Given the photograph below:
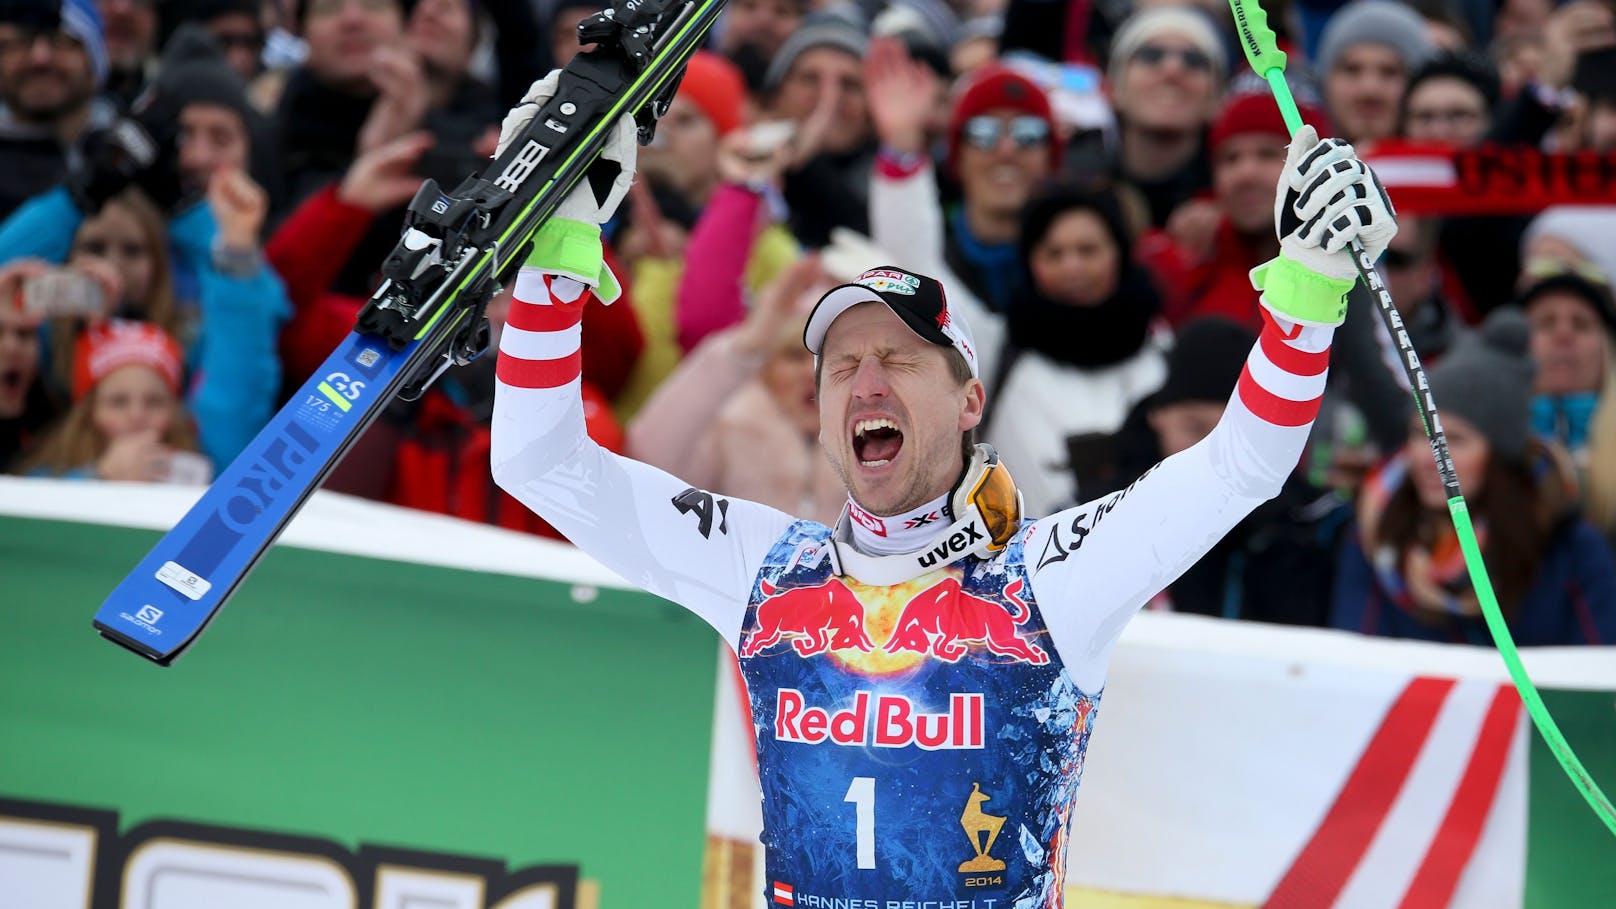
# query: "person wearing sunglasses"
{"points": [[52, 63], [1166, 72], [1001, 146]]}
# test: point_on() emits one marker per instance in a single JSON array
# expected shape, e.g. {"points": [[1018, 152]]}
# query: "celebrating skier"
{"points": [[923, 676]]}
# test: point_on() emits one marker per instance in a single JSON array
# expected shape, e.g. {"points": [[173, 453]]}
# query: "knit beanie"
{"points": [[714, 85], [1487, 379], [826, 28], [99, 352], [1257, 113], [81, 20], [1179, 21], [927, 28], [1585, 227], [1467, 66], [1596, 295], [999, 87], [1374, 22], [1205, 362], [193, 71]]}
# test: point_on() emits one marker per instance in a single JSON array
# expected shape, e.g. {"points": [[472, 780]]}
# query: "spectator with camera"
{"points": [[27, 407], [734, 230], [187, 165]]}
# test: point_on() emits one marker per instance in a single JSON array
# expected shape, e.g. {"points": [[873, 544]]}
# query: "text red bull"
{"points": [[943, 619], [815, 619], [881, 720]]}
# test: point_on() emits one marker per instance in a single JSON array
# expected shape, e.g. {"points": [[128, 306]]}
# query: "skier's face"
{"points": [[892, 411]]}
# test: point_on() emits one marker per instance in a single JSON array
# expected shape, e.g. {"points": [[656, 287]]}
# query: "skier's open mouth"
{"points": [[876, 442], [10, 380]]}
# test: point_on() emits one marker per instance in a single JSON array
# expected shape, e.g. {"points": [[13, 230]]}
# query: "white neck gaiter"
{"points": [[899, 534]]}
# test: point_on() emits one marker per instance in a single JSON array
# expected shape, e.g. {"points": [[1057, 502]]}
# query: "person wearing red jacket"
{"points": [[432, 454], [1203, 259]]}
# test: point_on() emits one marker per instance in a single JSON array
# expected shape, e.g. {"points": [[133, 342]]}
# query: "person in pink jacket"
{"points": [[739, 412]]}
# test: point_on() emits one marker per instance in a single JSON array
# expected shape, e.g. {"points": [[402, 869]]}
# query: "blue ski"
{"points": [[179, 587], [428, 315]]}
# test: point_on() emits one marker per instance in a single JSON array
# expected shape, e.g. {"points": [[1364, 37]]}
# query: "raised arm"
{"points": [[1095, 565], [691, 546]]}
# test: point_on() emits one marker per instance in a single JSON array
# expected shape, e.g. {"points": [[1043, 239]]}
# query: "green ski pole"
{"points": [[1263, 52]]}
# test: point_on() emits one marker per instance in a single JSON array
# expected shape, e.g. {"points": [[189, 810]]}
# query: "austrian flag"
{"points": [[783, 894]]}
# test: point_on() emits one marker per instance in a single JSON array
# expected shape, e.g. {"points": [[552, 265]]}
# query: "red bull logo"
{"points": [[881, 720], [944, 619], [814, 619]]}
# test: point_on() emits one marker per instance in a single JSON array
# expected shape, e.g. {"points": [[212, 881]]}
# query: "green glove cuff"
{"points": [[1301, 294], [573, 249]]}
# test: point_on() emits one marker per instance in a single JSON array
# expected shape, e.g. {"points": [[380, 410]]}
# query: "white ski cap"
{"points": [[916, 299]]}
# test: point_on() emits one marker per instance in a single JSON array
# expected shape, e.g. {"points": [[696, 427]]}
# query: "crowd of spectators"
{"points": [[196, 197]]}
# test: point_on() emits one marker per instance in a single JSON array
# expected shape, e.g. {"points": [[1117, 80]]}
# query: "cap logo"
{"points": [[882, 280]]}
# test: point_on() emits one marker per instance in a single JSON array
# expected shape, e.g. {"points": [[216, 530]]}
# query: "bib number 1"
{"points": [[862, 794]]}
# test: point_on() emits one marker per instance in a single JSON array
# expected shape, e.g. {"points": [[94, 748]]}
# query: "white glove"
{"points": [[582, 204], [1327, 198]]}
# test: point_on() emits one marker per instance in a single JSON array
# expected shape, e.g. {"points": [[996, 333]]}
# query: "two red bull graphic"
{"points": [[941, 621]]}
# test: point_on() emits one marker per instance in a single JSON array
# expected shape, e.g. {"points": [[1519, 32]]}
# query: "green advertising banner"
{"points": [[397, 724]]}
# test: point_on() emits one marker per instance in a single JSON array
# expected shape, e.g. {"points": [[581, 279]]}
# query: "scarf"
{"points": [[1421, 579], [1088, 337], [1565, 417]]}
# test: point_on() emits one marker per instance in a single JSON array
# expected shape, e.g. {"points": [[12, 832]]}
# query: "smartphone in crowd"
{"points": [[64, 292], [762, 139]]}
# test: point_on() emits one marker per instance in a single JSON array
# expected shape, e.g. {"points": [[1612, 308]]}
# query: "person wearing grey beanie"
{"points": [[1401, 573], [1486, 380], [829, 29], [816, 81], [1366, 56]]}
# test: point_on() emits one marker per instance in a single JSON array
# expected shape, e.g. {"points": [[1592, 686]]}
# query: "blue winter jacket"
{"points": [[234, 369], [1573, 600]]}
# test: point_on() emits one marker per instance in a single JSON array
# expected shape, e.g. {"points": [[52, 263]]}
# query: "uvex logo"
{"points": [[958, 542]]}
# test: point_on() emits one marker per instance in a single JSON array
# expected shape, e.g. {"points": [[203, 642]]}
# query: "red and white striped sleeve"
{"points": [[1283, 381], [689, 545], [1095, 565], [541, 345]]}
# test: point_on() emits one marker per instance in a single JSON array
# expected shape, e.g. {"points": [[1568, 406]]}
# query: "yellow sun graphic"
{"points": [[882, 607]]}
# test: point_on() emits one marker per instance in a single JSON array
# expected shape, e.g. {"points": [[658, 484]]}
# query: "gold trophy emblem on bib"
{"points": [[976, 822]]}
